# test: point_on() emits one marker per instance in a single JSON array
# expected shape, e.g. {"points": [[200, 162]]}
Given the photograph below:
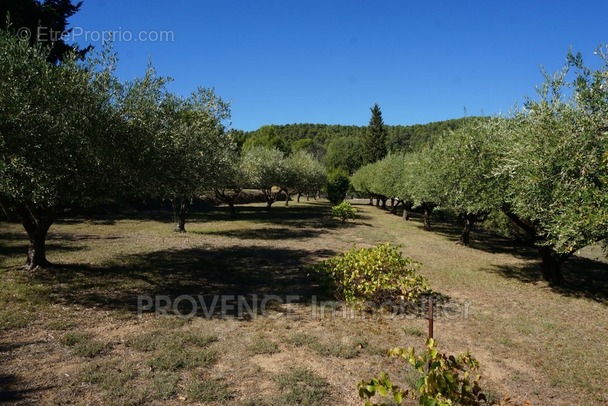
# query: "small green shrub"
{"points": [[444, 381], [377, 274], [344, 211], [337, 185]]}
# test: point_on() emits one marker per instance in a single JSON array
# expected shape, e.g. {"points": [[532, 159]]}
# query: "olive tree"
{"points": [[310, 175], [420, 183], [64, 144], [264, 169], [194, 148], [465, 161], [556, 163], [363, 180], [229, 185]]}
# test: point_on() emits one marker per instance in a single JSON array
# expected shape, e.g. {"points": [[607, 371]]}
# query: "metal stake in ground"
{"points": [[431, 317]]}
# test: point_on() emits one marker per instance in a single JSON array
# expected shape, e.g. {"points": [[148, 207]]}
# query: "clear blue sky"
{"points": [[329, 61]]}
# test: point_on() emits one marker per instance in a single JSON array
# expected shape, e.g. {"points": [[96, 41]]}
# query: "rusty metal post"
{"points": [[431, 317]]}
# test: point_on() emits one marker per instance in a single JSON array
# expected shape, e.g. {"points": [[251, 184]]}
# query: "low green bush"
{"points": [[444, 381], [344, 211], [379, 274], [337, 185]]}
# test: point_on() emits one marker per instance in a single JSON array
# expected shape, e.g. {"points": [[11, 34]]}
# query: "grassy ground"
{"points": [[71, 334]]}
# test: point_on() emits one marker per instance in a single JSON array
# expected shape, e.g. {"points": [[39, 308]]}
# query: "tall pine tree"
{"points": [[374, 141], [46, 21]]}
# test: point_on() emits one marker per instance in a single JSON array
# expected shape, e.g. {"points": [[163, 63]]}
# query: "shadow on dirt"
{"points": [[249, 272], [9, 392]]}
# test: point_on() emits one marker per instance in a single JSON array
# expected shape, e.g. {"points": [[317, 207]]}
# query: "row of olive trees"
{"points": [[270, 171], [545, 167], [72, 135]]}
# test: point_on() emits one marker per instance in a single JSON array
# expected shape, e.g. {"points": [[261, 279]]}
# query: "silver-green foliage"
{"points": [[264, 168], [556, 162]]}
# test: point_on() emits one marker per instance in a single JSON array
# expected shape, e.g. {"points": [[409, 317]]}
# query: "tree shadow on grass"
{"points": [[583, 277], [11, 389], [483, 239], [266, 233], [292, 216], [249, 272]]}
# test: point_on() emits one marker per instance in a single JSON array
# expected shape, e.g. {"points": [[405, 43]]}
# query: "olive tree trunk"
{"points": [[180, 208], [407, 206], [551, 261], [269, 197], [469, 222], [396, 206], [384, 199], [36, 222], [426, 217], [465, 237], [551, 265]]}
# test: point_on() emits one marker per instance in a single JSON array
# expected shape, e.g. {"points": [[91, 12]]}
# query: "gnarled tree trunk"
{"points": [[269, 197], [180, 208], [406, 210], [426, 219], [396, 206], [551, 261], [384, 199], [228, 198], [551, 265], [36, 221], [469, 222], [465, 237]]}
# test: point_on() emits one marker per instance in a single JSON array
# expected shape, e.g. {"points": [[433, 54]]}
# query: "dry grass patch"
{"points": [[301, 386], [263, 345], [82, 344], [212, 390]]}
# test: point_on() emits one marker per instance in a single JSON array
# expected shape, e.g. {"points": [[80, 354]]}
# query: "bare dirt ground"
{"points": [[72, 335]]}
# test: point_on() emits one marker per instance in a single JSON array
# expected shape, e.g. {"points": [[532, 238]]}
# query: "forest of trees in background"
{"points": [[340, 145]]}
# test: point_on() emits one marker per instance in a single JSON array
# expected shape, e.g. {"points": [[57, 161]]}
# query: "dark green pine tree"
{"points": [[374, 141], [46, 21]]}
